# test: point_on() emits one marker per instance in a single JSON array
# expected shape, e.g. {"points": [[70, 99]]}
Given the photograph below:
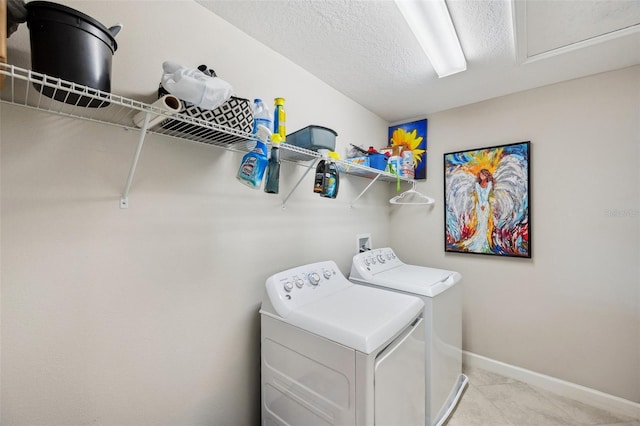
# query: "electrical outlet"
{"points": [[363, 242]]}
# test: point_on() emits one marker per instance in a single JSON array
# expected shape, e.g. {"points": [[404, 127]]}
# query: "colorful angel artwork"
{"points": [[487, 201]]}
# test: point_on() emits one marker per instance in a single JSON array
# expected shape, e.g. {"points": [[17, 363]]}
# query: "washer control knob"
{"points": [[314, 278], [373, 260], [367, 262], [299, 282], [327, 273], [381, 258], [288, 286]]}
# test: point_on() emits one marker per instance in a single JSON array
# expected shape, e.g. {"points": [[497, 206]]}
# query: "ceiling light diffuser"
{"points": [[431, 24]]}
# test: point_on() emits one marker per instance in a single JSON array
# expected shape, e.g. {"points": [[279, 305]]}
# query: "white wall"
{"points": [[149, 315], [573, 310]]}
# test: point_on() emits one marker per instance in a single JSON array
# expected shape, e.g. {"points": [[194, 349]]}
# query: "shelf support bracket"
{"points": [[365, 190], [309, 168], [124, 200]]}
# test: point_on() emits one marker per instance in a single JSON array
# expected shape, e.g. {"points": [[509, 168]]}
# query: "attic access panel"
{"points": [[545, 27]]}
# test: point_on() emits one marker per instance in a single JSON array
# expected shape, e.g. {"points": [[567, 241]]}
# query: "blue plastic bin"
{"points": [[378, 161]]}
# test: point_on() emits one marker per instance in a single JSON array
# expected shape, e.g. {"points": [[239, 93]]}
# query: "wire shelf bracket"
{"points": [[27, 89], [124, 200], [309, 168]]}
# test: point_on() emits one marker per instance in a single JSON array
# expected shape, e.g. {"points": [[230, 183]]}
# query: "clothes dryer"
{"points": [[441, 292], [335, 353]]}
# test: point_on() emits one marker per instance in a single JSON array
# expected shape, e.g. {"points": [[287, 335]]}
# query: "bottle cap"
{"points": [[276, 138], [279, 101], [334, 155]]}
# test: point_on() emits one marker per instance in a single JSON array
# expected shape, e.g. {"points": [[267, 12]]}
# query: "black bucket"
{"points": [[72, 46]]}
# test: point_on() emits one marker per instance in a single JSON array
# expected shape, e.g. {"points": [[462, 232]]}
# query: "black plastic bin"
{"points": [[72, 46]]}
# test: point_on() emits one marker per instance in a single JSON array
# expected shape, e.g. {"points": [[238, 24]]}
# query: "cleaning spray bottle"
{"points": [[254, 162], [251, 170], [272, 183], [318, 184], [331, 178]]}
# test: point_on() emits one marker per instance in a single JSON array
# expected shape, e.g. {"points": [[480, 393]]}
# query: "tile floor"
{"points": [[494, 400]]}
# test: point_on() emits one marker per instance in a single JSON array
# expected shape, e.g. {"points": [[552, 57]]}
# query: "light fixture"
{"points": [[431, 24]]}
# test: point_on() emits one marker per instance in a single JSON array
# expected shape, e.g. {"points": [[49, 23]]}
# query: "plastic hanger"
{"points": [[412, 196]]}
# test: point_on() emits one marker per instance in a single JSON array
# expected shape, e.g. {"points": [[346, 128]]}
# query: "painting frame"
{"points": [[412, 136], [487, 200]]}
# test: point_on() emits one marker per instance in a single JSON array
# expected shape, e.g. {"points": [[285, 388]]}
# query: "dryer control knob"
{"points": [[327, 273], [299, 282], [381, 258], [314, 278], [288, 286]]}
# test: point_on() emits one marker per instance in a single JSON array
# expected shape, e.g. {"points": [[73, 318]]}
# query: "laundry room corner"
{"points": [[545, 313]]}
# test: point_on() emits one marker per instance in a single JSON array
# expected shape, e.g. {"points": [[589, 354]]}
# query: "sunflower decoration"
{"points": [[409, 141]]}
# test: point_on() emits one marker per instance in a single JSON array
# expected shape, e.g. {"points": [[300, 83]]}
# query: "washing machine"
{"points": [[336, 353], [441, 292]]}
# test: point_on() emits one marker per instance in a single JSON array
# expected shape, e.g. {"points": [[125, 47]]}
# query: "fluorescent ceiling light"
{"points": [[431, 24]]}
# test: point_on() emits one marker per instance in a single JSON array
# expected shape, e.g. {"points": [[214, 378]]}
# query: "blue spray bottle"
{"points": [[254, 162], [253, 165]]}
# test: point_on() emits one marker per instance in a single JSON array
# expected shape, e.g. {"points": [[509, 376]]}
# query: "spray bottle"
{"points": [[252, 167], [254, 162], [331, 178], [318, 184], [272, 183]]}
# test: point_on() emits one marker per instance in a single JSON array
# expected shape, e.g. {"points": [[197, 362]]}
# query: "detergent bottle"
{"points": [[318, 183], [331, 180]]}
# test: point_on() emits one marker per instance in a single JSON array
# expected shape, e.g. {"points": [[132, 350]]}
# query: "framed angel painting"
{"points": [[487, 200]]}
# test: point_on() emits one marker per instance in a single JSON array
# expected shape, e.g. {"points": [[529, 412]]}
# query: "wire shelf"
{"points": [[41, 92], [38, 91]]}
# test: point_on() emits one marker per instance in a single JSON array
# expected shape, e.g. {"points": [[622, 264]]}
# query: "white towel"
{"points": [[194, 86]]}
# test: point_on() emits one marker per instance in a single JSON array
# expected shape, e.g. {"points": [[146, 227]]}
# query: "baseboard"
{"points": [[576, 392]]}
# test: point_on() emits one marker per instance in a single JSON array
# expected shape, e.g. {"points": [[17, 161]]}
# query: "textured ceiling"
{"points": [[365, 50], [554, 24]]}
